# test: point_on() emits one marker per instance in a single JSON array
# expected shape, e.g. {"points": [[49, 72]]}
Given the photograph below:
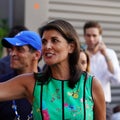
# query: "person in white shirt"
{"points": [[103, 61]]}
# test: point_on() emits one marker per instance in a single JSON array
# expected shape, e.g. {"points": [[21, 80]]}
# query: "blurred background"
{"points": [[34, 13]]}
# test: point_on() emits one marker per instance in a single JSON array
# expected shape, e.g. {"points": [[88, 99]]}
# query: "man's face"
{"points": [[92, 37], [21, 58]]}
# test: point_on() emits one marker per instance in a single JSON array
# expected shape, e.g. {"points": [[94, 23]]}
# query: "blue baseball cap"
{"points": [[24, 38]]}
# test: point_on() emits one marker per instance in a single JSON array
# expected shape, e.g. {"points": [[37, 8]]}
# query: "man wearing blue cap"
{"points": [[25, 53], [5, 61]]}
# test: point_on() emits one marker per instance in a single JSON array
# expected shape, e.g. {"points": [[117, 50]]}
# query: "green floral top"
{"points": [[55, 100]]}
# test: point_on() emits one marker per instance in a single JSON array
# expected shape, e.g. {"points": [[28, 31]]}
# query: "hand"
{"points": [[102, 48]]}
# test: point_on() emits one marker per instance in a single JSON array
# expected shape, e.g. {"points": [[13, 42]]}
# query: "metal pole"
{"points": [[10, 18]]}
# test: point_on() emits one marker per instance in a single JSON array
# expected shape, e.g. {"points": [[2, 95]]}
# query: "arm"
{"points": [[99, 100], [18, 87], [108, 60], [112, 60]]}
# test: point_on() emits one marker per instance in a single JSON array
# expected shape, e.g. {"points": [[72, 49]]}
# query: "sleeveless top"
{"points": [[56, 100]]}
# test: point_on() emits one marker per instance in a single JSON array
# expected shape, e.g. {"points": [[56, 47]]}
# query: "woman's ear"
{"points": [[71, 47]]}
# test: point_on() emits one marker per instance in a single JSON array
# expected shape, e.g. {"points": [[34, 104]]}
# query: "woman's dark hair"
{"points": [[68, 32]]}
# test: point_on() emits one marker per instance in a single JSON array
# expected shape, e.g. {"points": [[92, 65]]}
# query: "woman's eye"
{"points": [[54, 40]]}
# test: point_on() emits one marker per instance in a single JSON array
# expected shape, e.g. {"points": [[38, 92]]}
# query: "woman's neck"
{"points": [[60, 72]]}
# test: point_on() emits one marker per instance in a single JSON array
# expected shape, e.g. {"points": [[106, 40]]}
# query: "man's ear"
{"points": [[71, 47], [38, 55]]}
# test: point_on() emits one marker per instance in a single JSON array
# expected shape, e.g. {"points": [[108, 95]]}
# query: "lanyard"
{"points": [[14, 107]]}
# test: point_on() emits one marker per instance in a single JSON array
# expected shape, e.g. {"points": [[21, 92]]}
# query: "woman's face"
{"points": [[55, 48], [83, 61]]}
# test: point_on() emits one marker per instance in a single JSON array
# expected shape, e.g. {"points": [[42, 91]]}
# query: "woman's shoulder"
{"points": [[86, 75], [86, 79]]}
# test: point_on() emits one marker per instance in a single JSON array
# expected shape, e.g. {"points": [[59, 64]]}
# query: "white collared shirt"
{"points": [[99, 68]]}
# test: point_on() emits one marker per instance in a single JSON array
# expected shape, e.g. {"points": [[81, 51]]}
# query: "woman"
{"points": [[62, 91], [84, 61]]}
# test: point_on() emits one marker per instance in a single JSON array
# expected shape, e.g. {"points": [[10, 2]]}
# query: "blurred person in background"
{"points": [[84, 61], [103, 61]]}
